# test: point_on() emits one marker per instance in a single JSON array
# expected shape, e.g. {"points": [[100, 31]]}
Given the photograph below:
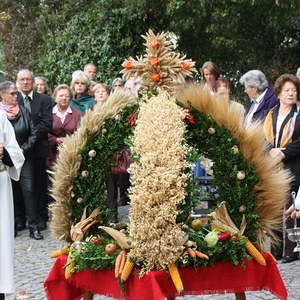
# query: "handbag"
{"points": [[121, 162]]}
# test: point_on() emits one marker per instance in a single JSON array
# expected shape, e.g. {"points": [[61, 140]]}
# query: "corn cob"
{"points": [[175, 277], [251, 249]]}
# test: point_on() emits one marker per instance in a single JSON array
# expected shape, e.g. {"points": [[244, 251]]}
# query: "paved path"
{"points": [[32, 264]]}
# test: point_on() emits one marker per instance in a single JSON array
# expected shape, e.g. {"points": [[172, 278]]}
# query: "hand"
{"points": [[277, 153], [295, 213]]}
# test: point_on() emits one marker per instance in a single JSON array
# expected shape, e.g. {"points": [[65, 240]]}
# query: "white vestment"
{"points": [[7, 137]]}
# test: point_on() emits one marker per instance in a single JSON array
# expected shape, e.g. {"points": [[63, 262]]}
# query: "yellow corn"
{"points": [[251, 249], [175, 277], [127, 270]]}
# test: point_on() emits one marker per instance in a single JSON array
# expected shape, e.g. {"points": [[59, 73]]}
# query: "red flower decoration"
{"points": [[127, 64], [224, 236], [97, 242], [190, 118], [131, 120], [155, 77], [186, 65], [154, 61], [155, 44]]}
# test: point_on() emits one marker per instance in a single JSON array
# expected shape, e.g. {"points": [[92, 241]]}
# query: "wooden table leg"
{"points": [[88, 295], [240, 296]]}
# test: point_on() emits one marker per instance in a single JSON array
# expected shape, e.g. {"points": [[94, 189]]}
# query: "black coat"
{"points": [[292, 151], [26, 133], [41, 116]]}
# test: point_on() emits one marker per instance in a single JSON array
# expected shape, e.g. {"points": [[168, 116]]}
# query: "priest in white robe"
{"points": [[11, 161]]}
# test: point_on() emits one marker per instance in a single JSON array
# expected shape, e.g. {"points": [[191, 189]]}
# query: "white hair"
{"points": [[256, 79]]}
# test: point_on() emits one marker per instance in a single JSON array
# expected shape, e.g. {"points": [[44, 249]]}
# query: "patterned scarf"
{"points": [[10, 110], [286, 130]]}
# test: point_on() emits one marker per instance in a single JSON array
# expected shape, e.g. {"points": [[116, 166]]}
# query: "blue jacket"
{"points": [[268, 102]]}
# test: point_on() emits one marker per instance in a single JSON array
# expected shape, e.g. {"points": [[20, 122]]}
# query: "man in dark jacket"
{"points": [[262, 97], [40, 107]]}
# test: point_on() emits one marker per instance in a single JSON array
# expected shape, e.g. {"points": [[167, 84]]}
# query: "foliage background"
{"points": [[55, 38]]}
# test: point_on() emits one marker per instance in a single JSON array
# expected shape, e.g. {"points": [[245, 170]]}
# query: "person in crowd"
{"points": [[117, 83], [80, 85], [65, 120], [282, 131], [41, 86], [101, 92], [40, 108], [25, 132], [11, 161], [90, 70], [133, 84], [210, 74], [262, 97], [224, 86]]}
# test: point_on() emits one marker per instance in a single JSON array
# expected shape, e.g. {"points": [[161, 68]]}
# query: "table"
{"points": [[220, 278]]}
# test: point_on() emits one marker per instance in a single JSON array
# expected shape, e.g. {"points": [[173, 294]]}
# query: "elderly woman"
{"points": [[282, 131], [101, 92], [41, 86], [11, 161], [65, 120], [261, 96], [80, 85], [117, 83], [26, 136], [210, 74]]}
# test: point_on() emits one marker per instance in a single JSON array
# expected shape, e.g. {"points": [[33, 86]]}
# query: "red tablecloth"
{"points": [[157, 285]]}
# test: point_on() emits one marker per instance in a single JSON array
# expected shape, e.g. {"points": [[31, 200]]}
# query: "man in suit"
{"points": [[40, 107], [262, 97]]}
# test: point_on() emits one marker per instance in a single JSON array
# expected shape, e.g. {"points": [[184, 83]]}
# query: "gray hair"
{"points": [[6, 85], [24, 70], [256, 79], [88, 65], [48, 91]]}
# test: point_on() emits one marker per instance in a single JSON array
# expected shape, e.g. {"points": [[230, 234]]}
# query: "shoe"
{"points": [[20, 226], [42, 225], [287, 259], [36, 235]]}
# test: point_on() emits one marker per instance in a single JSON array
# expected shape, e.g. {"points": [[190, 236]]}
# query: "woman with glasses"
{"points": [[26, 136]]}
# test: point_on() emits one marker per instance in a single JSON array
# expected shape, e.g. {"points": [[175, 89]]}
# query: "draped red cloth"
{"points": [[220, 278]]}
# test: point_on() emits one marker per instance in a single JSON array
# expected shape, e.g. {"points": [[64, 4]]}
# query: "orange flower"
{"points": [[154, 61], [155, 44], [186, 65], [127, 64], [155, 77]]}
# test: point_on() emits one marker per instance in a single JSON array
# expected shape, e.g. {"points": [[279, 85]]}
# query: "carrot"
{"points": [[117, 264], [62, 251], [191, 252], [122, 264], [201, 255], [185, 253], [251, 249], [69, 266], [175, 277]]}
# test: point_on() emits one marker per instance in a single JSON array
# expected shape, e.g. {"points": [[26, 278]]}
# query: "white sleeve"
{"points": [[297, 200], [7, 137]]}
